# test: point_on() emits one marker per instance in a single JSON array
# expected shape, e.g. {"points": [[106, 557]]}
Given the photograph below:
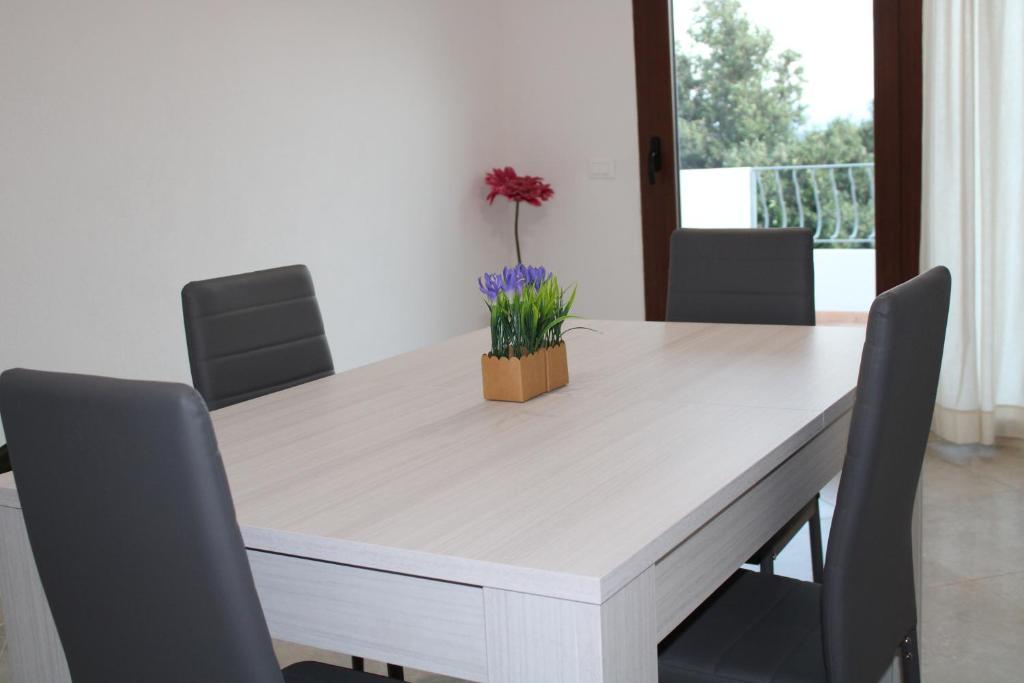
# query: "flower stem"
{"points": [[519, 256]]}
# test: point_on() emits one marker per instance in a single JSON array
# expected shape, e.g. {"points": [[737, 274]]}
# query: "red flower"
{"points": [[506, 183]]}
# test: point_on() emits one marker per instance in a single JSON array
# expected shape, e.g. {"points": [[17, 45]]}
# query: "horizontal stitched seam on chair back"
{"points": [[748, 307], [238, 292], [254, 333], [245, 309], [225, 401], [741, 276], [256, 327], [745, 275], [262, 371]]}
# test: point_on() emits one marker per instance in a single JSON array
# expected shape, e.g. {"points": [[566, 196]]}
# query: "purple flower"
{"points": [[490, 285], [536, 276], [512, 280]]}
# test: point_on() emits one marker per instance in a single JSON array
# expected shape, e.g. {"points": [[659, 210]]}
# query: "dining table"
{"points": [[390, 512]]}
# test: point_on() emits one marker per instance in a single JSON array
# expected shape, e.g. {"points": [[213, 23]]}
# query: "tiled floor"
{"points": [[973, 610]]}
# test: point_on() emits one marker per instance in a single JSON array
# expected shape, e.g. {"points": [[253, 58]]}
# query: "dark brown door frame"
{"points": [[897, 36], [655, 85], [898, 96]]}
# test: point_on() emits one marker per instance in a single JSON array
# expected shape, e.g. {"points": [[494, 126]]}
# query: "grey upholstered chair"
{"points": [[758, 276], [253, 334], [761, 628], [141, 557]]}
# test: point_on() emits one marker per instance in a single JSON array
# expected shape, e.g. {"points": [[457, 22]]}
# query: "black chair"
{"points": [[758, 276], [142, 560], [5, 459], [761, 628], [253, 334]]}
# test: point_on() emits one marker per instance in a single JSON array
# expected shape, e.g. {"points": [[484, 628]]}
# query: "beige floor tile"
{"points": [[1006, 467], [971, 631], [976, 537], [947, 482], [1003, 462], [935, 573]]}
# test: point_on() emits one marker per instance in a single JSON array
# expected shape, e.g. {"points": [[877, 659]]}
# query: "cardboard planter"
{"points": [[557, 366], [514, 379]]}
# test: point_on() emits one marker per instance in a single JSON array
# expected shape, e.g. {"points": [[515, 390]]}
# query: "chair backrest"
{"points": [[253, 334], [133, 530], [868, 601], [762, 276]]}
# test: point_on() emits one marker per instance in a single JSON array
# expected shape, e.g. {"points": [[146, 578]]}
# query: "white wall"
{"points": [[567, 70], [145, 144]]}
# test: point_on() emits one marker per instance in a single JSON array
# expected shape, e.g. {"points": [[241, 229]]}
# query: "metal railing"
{"points": [[836, 200]]}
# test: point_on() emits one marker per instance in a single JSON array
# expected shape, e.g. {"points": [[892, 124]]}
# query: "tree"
{"points": [[842, 141], [738, 104]]}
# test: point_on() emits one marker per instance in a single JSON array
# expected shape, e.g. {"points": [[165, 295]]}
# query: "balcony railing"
{"points": [[836, 200]]}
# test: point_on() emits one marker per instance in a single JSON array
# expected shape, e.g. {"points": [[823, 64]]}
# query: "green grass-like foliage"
{"points": [[526, 314]]}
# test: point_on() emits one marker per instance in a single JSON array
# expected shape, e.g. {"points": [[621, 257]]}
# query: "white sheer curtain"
{"points": [[973, 209]]}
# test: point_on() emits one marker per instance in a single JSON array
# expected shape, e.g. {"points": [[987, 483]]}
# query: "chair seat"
{"points": [[318, 672], [758, 628]]}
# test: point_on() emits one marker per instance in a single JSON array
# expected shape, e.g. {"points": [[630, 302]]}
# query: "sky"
{"points": [[834, 39]]}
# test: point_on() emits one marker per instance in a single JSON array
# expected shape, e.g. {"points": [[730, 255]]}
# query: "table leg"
{"points": [[34, 652], [547, 640]]}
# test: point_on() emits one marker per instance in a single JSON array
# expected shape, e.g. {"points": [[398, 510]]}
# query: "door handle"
{"points": [[653, 159]]}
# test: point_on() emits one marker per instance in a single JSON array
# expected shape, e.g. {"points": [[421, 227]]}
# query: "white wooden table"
{"points": [[391, 512]]}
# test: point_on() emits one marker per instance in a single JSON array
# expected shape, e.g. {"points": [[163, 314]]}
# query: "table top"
{"points": [[402, 466]]}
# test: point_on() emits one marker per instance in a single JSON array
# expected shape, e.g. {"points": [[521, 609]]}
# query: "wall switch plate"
{"points": [[601, 169]]}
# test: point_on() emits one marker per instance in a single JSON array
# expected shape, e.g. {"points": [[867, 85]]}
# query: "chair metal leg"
{"points": [[394, 670], [768, 564], [817, 557], [911, 659]]}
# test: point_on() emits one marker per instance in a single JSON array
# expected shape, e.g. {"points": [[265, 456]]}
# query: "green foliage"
{"points": [[840, 142], [530, 318], [739, 103], [847, 211]]}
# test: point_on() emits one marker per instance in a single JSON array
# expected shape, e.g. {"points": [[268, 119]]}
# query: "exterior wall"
{"points": [[844, 279], [715, 198]]}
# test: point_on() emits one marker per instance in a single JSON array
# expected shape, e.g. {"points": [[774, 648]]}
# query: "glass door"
{"points": [[769, 121], [774, 128]]}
